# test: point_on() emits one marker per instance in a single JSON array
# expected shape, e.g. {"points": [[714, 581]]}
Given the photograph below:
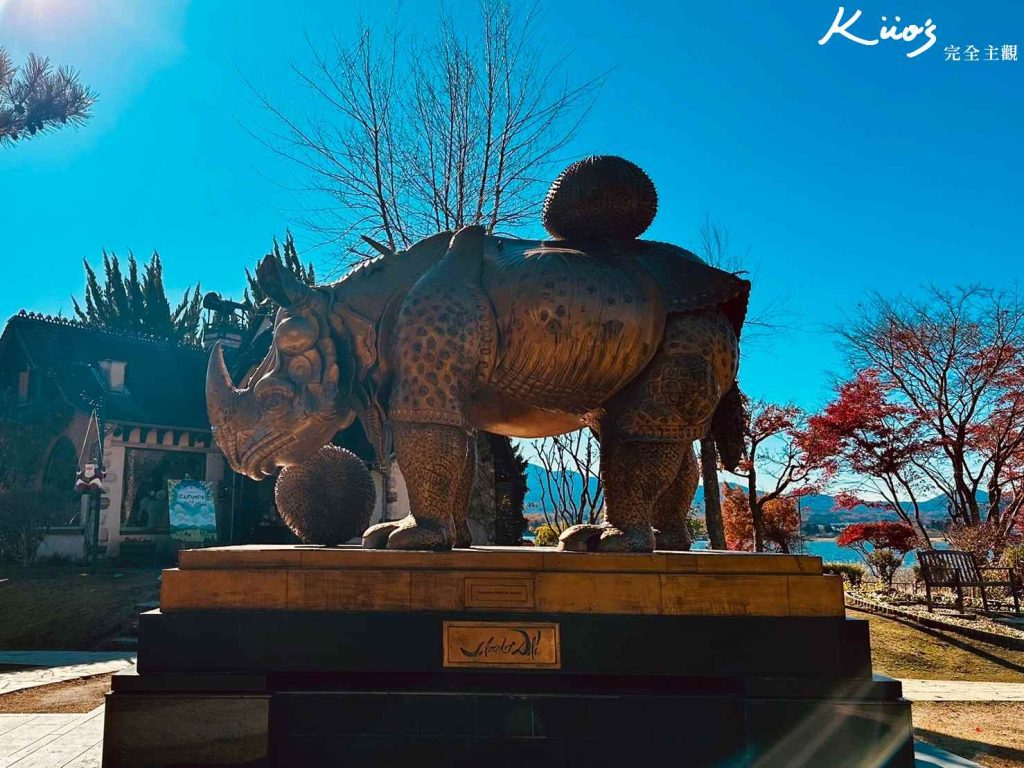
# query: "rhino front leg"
{"points": [[432, 458]]}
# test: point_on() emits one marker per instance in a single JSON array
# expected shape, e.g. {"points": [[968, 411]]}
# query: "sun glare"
{"points": [[45, 20]]}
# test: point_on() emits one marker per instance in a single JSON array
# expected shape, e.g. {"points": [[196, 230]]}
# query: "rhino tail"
{"points": [[727, 427]]}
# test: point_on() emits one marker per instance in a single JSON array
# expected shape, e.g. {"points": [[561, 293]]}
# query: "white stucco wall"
{"points": [[67, 544]]}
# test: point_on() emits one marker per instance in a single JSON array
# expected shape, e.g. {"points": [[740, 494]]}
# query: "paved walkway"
{"points": [[60, 658], [56, 667], [961, 690], [927, 756], [52, 741]]}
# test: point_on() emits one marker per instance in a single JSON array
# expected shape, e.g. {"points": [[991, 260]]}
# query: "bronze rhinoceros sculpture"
{"points": [[636, 339]]}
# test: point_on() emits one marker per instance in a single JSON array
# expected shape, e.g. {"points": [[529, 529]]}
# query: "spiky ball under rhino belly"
{"points": [[573, 328], [328, 499]]}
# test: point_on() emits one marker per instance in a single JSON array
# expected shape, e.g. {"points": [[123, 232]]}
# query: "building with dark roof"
{"points": [[151, 393]]}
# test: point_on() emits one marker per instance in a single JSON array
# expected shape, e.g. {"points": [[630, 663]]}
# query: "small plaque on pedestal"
{"points": [[504, 645]]}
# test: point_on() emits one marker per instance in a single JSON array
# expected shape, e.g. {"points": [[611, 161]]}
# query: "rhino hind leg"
{"points": [[432, 458], [673, 505], [634, 474], [648, 431], [460, 502]]}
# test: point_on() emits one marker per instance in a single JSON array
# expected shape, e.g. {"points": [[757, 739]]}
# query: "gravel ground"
{"points": [[946, 614], [72, 696]]}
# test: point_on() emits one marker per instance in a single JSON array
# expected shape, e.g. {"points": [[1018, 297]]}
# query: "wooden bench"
{"points": [[956, 569]]}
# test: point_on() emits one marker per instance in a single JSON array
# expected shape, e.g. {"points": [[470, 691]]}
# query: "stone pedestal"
{"points": [[310, 656]]}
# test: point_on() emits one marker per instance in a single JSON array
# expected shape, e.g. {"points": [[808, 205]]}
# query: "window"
{"points": [[24, 379], [114, 372], [146, 472]]}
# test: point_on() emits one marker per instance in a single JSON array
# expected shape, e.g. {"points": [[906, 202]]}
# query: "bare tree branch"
{"points": [[409, 136]]}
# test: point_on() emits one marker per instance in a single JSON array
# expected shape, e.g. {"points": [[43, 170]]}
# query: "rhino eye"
{"points": [[294, 335], [273, 393]]}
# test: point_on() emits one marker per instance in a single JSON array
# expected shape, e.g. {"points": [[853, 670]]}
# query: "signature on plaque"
{"points": [[526, 644], [534, 645]]}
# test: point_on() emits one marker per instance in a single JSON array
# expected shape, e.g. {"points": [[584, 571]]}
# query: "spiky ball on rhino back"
{"points": [[602, 196], [328, 499]]}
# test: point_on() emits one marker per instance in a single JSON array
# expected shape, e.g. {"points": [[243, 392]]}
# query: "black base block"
{"points": [[296, 641], [290, 688], [177, 720]]}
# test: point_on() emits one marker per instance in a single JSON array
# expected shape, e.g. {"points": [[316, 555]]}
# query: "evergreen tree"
{"points": [[36, 98], [138, 304], [511, 485]]}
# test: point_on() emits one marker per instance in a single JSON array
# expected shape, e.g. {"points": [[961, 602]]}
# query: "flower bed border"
{"points": [[995, 638]]}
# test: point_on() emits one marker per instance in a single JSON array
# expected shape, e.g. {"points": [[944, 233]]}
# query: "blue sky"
{"points": [[837, 169]]}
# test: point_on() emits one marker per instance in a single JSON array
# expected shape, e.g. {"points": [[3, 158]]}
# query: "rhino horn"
{"points": [[222, 397]]}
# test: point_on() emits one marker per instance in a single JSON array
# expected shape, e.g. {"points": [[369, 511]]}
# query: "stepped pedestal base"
{"points": [[305, 656]]}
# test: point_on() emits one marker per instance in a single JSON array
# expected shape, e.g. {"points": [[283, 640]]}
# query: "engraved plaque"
{"points": [[510, 592], [502, 644]]}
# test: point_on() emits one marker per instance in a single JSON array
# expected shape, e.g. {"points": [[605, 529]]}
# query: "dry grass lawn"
{"points": [[990, 733], [68, 608], [902, 649]]}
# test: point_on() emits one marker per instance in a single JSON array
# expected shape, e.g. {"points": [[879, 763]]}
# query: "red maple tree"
{"points": [[950, 366], [881, 441], [1001, 439], [780, 517]]}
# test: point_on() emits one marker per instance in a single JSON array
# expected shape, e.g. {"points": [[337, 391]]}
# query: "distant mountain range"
{"points": [[817, 508]]}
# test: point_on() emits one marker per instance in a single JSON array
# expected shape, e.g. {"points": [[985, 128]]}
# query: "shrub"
{"points": [[696, 525], [1013, 556], [889, 543], [885, 562], [25, 516], [546, 536], [852, 573]]}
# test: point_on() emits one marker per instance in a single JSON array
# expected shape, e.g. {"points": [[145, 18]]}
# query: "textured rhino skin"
{"points": [[636, 339]]}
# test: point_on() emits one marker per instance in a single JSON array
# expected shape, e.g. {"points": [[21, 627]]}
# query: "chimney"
{"points": [[114, 371]]}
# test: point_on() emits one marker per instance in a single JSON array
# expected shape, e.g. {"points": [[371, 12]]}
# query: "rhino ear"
{"points": [[280, 284], [363, 333]]}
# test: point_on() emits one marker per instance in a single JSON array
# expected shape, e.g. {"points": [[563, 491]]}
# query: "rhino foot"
{"points": [[606, 538], [409, 533], [463, 536], [376, 536], [673, 540]]}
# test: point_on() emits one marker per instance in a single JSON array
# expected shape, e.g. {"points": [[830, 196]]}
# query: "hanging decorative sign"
{"points": [[90, 478], [192, 512]]}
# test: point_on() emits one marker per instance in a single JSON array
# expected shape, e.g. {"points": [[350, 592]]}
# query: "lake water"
{"points": [[826, 549], [830, 552]]}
